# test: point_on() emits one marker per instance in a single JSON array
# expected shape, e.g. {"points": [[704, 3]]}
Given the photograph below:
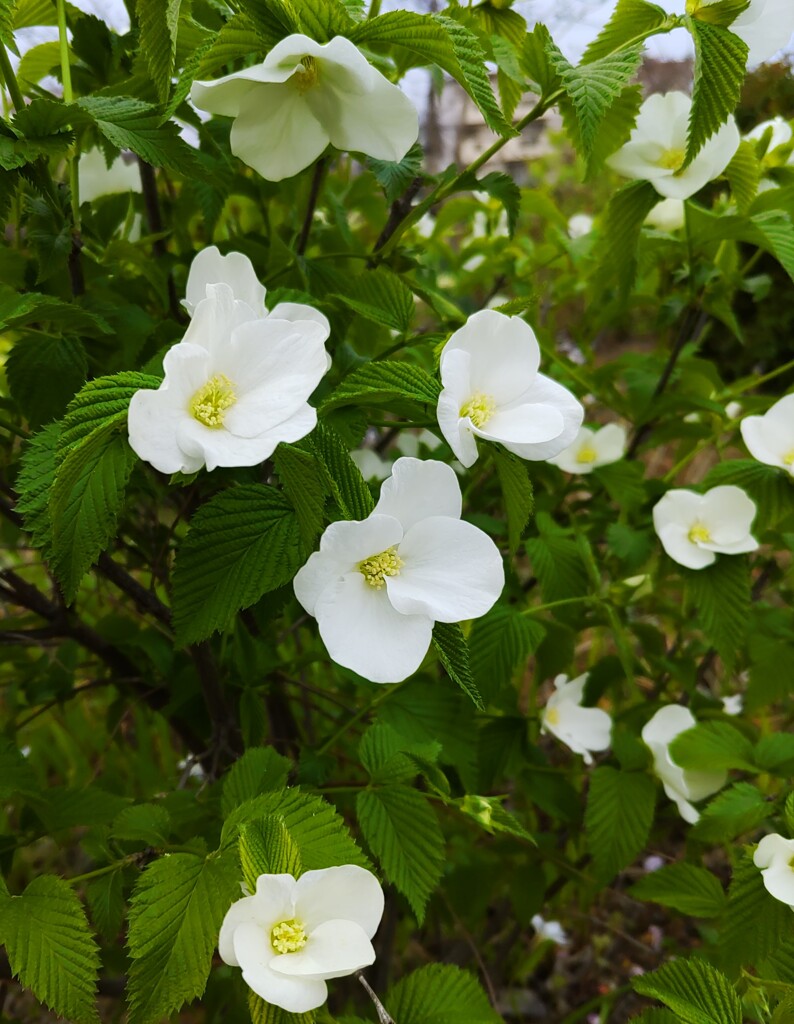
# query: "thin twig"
{"points": [[314, 195], [383, 1014]]}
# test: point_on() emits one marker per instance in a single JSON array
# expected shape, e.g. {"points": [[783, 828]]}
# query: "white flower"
{"points": [[581, 729], [770, 438], [410, 442], [234, 387], [592, 448], [657, 146], [579, 225], [669, 215], [291, 936], [766, 26], [492, 389], [551, 930], [681, 785], [733, 410], [692, 527], [733, 704], [302, 97], [97, 179], [376, 586], [775, 856], [370, 464], [780, 134]]}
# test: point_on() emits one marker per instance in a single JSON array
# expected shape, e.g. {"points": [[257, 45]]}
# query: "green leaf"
{"points": [[158, 21], [89, 805], [500, 644], [616, 252], [305, 486], [380, 296], [144, 823], [266, 1013], [259, 770], [744, 175], [267, 848], [16, 775], [768, 487], [384, 381], [395, 177], [730, 814], [34, 483], [343, 477], [557, 562], [101, 402], [105, 898], [755, 924], [534, 60], [243, 543], [517, 492], [176, 912], [712, 746], [23, 310], [720, 594], [618, 818], [694, 990], [66, 365], [130, 123], [684, 887], [402, 831], [51, 949], [720, 62], [86, 499], [236, 40], [440, 994], [449, 641], [630, 21], [501, 187], [492, 817]]}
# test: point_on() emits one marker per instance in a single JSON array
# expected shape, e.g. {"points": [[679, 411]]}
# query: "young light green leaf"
{"points": [[267, 848], [158, 21], [517, 492], [712, 746], [631, 22], [720, 62], [395, 177], [744, 175], [343, 477]]}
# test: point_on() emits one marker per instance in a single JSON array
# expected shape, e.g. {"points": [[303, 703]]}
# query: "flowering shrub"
{"points": [[275, 432]]}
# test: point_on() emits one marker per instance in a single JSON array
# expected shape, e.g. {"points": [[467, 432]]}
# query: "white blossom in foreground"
{"points": [[774, 855], [581, 729], [305, 95], [681, 785], [377, 586], [766, 26], [593, 448], [97, 179], [552, 931], [669, 215], [291, 936], [693, 528], [657, 146], [492, 390], [770, 438], [235, 386]]}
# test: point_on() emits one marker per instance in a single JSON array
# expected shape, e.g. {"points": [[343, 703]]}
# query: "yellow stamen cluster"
{"points": [[700, 534], [479, 409], [307, 78], [288, 937], [211, 401], [376, 568], [552, 716], [671, 159], [586, 454], [788, 458]]}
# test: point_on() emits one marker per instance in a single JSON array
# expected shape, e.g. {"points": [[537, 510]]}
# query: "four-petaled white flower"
{"points": [[657, 147], [305, 95], [234, 387], [681, 785], [766, 26], [669, 215], [376, 586], [492, 389], [592, 448], [770, 438], [581, 729], [292, 935], [551, 931], [693, 528], [774, 855]]}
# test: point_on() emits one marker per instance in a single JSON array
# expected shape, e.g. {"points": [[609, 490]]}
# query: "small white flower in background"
{"points": [[370, 464], [733, 704], [669, 215], [657, 147], [377, 586], [733, 410], [234, 387], [774, 855], [97, 179], [766, 26], [579, 225], [410, 442], [293, 935], [551, 930], [593, 448], [770, 438], [492, 390], [302, 97], [694, 528], [426, 225], [681, 785], [780, 133], [581, 729]]}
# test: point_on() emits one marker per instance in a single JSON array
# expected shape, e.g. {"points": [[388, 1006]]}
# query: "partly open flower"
{"points": [[234, 387], [693, 528], [377, 586], [681, 785], [669, 215], [593, 448], [292, 935], [774, 855], [657, 147], [770, 438], [581, 729], [492, 389], [302, 97]]}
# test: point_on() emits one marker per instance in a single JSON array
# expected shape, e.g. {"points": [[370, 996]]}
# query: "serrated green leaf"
{"points": [[517, 492], [105, 898], [684, 887], [242, 544], [492, 817], [557, 563], [51, 949], [16, 775], [694, 990], [712, 746], [500, 644], [305, 486], [343, 477], [101, 402], [440, 994], [755, 924], [720, 595], [720, 62], [730, 814], [616, 252], [236, 40], [449, 641], [259, 770], [129, 123], [158, 21], [34, 484], [395, 177], [65, 361], [744, 175], [89, 805], [145, 823], [618, 818], [631, 21], [534, 60], [769, 488], [384, 381], [380, 296], [39, 61], [402, 831], [33, 308], [267, 848]]}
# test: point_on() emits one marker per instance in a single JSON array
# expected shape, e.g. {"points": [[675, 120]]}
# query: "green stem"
{"points": [[68, 97], [756, 381], [99, 872], [618, 634], [538, 608], [11, 80], [362, 713], [374, 9]]}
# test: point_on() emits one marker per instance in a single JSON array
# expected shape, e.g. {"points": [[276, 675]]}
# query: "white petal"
{"points": [[272, 903], [678, 507], [300, 311], [675, 541], [453, 571], [276, 133], [728, 513], [334, 949], [737, 547], [153, 422], [418, 489], [235, 269], [347, 893], [254, 953], [545, 391], [215, 318], [610, 443], [342, 546], [365, 633], [668, 722], [97, 179], [779, 882], [244, 911], [581, 729], [522, 424], [218, 447], [766, 28], [773, 849], [224, 95], [690, 814]]}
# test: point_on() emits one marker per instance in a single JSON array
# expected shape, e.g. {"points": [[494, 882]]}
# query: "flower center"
{"points": [[307, 78], [700, 534], [586, 454], [671, 159], [788, 458], [552, 716], [211, 401], [288, 937], [376, 568], [479, 409]]}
